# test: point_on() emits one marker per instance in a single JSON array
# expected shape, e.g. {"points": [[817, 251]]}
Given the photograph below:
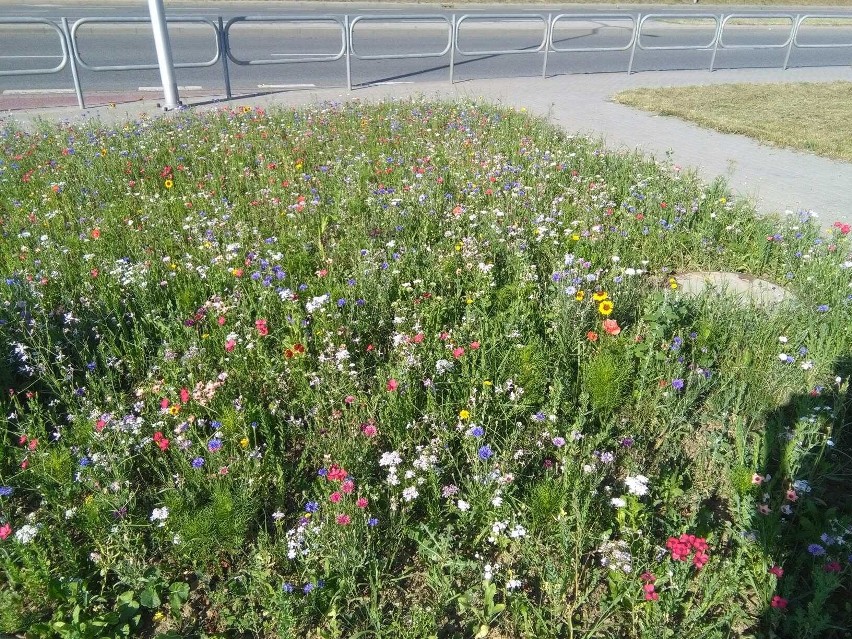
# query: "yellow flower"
{"points": [[576, 237], [605, 307], [246, 109], [174, 409], [580, 295], [158, 616], [672, 283], [244, 442], [600, 296], [103, 153], [487, 382], [168, 184], [469, 301], [464, 414]]}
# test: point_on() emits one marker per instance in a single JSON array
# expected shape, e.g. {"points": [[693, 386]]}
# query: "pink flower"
{"points": [[474, 346], [791, 495], [699, 559], [756, 479], [458, 352], [392, 384], [417, 338], [362, 502], [229, 345], [261, 327], [164, 403], [5, 531], [779, 602], [221, 320], [369, 430], [184, 395], [343, 520], [349, 400], [336, 473], [832, 566], [778, 571], [611, 327], [764, 509], [348, 486], [335, 497]]}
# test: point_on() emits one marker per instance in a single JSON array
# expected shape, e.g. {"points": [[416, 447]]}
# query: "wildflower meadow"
{"points": [[410, 370]]}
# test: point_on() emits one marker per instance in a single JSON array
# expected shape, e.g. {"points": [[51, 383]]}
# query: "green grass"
{"points": [[806, 116], [409, 370]]}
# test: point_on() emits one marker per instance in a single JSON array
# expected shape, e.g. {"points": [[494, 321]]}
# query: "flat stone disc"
{"points": [[742, 285]]}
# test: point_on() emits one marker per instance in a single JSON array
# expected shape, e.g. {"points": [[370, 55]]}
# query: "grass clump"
{"points": [[807, 116], [409, 370]]}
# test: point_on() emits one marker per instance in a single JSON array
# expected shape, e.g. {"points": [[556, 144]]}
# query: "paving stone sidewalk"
{"points": [[776, 180]]}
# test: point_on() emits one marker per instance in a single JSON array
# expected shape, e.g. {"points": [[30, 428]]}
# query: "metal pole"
{"points": [[636, 37], [164, 54], [793, 35], [547, 37], [719, 29], [223, 51], [73, 59], [348, 37], [453, 36]]}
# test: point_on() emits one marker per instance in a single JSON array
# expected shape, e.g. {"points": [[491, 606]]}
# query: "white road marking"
{"points": [[285, 86], [394, 82], [35, 91], [189, 87], [24, 57]]}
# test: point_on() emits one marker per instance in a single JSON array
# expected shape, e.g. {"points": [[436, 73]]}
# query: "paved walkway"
{"points": [[776, 180]]}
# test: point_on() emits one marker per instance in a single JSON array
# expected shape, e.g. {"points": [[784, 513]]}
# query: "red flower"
{"points": [[778, 571], [184, 395], [392, 384], [261, 327], [779, 602], [611, 327], [592, 336], [832, 566]]}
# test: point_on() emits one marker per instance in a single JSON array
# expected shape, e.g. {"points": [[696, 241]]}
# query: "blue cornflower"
{"points": [[6, 491], [677, 384], [85, 461], [372, 522], [307, 588], [341, 303], [322, 472], [539, 416], [91, 366], [823, 308], [476, 431], [214, 445], [287, 587], [198, 462], [485, 452], [816, 550], [311, 507]]}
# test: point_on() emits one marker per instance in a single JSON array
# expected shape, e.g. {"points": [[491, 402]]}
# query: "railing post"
{"points": [[719, 28], [548, 35], [453, 36], [792, 39], [72, 58], [164, 54], [223, 51], [636, 37], [348, 42]]}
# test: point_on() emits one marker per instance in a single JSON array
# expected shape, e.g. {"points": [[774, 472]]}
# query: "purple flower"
{"points": [[198, 462], [287, 587], [485, 452], [6, 491], [476, 431], [372, 522], [677, 384], [214, 445], [823, 308], [816, 550], [559, 442], [607, 457], [311, 507]]}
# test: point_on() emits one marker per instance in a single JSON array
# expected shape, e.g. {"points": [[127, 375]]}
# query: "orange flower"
{"points": [[611, 327], [592, 336]]}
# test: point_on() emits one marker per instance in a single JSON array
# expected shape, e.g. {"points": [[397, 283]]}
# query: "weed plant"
{"points": [[409, 370]]}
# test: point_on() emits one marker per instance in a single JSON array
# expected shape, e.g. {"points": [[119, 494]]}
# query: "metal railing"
{"points": [[346, 26]]}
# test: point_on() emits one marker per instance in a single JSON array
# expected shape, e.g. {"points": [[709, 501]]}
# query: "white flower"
{"points": [[410, 493], [160, 514], [806, 366], [782, 357], [637, 485], [618, 502], [462, 505], [25, 534], [517, 532], [782, 339], [391, 458], [801, 486], [513, 584], [497, 501]]}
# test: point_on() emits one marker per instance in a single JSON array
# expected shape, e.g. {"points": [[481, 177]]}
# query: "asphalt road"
{"points": [[35, 47]]}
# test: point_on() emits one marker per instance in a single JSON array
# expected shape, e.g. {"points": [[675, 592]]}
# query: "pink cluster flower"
{"points": [[5, 531], [681, 548], [261, 327], [648, 580]]}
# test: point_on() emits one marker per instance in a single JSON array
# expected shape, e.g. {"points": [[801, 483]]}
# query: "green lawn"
{"points": [[806, 116]]}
